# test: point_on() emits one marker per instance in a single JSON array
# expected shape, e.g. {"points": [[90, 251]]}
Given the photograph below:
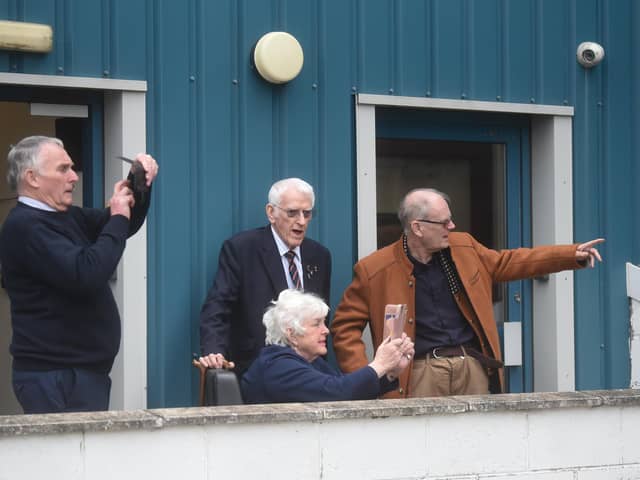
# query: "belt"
{"points": [[463, 351]]}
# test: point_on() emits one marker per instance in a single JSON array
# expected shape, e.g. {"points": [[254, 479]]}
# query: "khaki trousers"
{"points": [[438, 377]]}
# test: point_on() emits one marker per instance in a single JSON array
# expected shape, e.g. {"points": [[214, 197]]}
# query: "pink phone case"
{"points": [[394, 318]]}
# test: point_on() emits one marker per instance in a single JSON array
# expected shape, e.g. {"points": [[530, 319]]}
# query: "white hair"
{"points": [[281, 186], [25, 155], [411, 208], [291, 310]]}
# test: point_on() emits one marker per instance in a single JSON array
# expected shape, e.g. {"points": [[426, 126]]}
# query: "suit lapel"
{"points": [[272, 262]]}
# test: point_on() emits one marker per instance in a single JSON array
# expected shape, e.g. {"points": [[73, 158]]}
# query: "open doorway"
{"points": [[472, 174], [19, 120], [542, 139], [113, 123]]}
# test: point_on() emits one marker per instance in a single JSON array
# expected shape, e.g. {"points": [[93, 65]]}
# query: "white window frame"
{"points": [[552, 215], [124, 133]]}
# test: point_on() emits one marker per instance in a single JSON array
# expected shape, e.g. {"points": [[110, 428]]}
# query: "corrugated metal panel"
{"points": [[223, 135]]}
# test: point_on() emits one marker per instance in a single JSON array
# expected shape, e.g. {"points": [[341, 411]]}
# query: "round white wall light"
{"points": [[278, 57]]}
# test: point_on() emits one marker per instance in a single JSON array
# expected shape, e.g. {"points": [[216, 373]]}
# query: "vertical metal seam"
{"points": [[603, 127], [278, 161], [428, 50], [353, 44], [500, 49], [156, 380], [435, 84], [316, 139], [506, 45], [634, 19], [15, 12], [67, 13], [235, 114], [538, 40], [194, 232], [467, 49], [107, 36], [321, 95], [280, 94], [393, 34], [59, 40], [570, 87], [111, 39], [360, 46], [201, 144]]}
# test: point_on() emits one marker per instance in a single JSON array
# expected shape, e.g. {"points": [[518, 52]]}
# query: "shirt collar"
{"points": [[282, 247], [32, 202]]}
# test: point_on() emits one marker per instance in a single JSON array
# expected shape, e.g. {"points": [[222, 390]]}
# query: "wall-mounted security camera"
{"points": [[589, 54]]}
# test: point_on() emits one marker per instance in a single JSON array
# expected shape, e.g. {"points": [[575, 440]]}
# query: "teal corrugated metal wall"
{"points": [[222, 135]]}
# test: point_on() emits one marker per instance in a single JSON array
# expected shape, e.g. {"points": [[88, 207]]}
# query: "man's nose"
{"points": [[74, 176], [300, 218], [451, 225]]}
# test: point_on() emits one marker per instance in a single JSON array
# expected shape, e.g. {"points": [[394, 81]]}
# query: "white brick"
{"points": [[54, 457], [630, 432], [476, 443], [389, 448], [170, 453], [574, 438], [263, 451]]}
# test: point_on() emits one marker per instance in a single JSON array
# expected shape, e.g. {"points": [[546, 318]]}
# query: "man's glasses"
{"points": [[443, 223], [295, 213]]}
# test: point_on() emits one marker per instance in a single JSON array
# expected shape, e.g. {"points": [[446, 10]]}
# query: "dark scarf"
{"points": [[446, 262]]}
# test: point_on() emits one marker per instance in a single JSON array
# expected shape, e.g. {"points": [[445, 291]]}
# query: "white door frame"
{"points": [[552, 215], [124, 134]]}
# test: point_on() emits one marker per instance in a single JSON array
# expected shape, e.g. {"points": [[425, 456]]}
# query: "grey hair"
{"points": [[409, 211], [24, 155], [291, 310], [281, 186]]}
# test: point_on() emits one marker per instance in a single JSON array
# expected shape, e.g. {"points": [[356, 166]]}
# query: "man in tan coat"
{"points": [[445, 279]]}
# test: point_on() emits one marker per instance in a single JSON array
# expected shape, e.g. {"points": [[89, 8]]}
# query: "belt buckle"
{"points": [[434, 353]]}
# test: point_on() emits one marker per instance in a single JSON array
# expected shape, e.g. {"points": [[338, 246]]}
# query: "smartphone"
{"points": [[395, 316]]}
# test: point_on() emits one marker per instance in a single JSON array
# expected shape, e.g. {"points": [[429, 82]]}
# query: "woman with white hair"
{"points": [[290, 368]]}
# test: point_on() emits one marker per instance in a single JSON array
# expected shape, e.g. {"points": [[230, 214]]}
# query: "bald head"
{"points": [[417, 204]]}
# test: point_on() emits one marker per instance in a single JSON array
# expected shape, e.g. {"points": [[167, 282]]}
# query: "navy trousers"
{"points": [[67, 390]]}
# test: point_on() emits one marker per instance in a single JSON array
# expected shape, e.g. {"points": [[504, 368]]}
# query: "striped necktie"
{"points": [[293, 270]]}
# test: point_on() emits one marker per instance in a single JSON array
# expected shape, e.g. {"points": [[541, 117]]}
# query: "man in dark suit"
{"points": [[253, 268]]}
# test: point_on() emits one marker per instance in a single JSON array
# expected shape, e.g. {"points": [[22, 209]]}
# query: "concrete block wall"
{"points": [[541, 436]]}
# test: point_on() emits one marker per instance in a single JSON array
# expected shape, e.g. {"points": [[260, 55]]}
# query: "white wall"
{"points": [[570, 436]]}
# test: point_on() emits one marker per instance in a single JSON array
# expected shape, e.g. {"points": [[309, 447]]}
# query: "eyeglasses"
{"points": [[295, 213], [444, 223]]}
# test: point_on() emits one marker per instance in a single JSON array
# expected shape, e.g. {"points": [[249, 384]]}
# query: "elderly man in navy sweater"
{"points": [[56, 263]]}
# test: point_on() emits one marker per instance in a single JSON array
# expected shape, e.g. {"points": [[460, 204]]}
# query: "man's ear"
{"points": [[415, 228], [31, 178], [269, 209]]}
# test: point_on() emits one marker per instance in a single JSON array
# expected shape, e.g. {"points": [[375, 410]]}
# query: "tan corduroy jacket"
{"points": [[386, 277]]}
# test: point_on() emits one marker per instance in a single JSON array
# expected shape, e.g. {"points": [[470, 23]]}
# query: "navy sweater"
{"points": [[56, 268], [280, 375]]}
